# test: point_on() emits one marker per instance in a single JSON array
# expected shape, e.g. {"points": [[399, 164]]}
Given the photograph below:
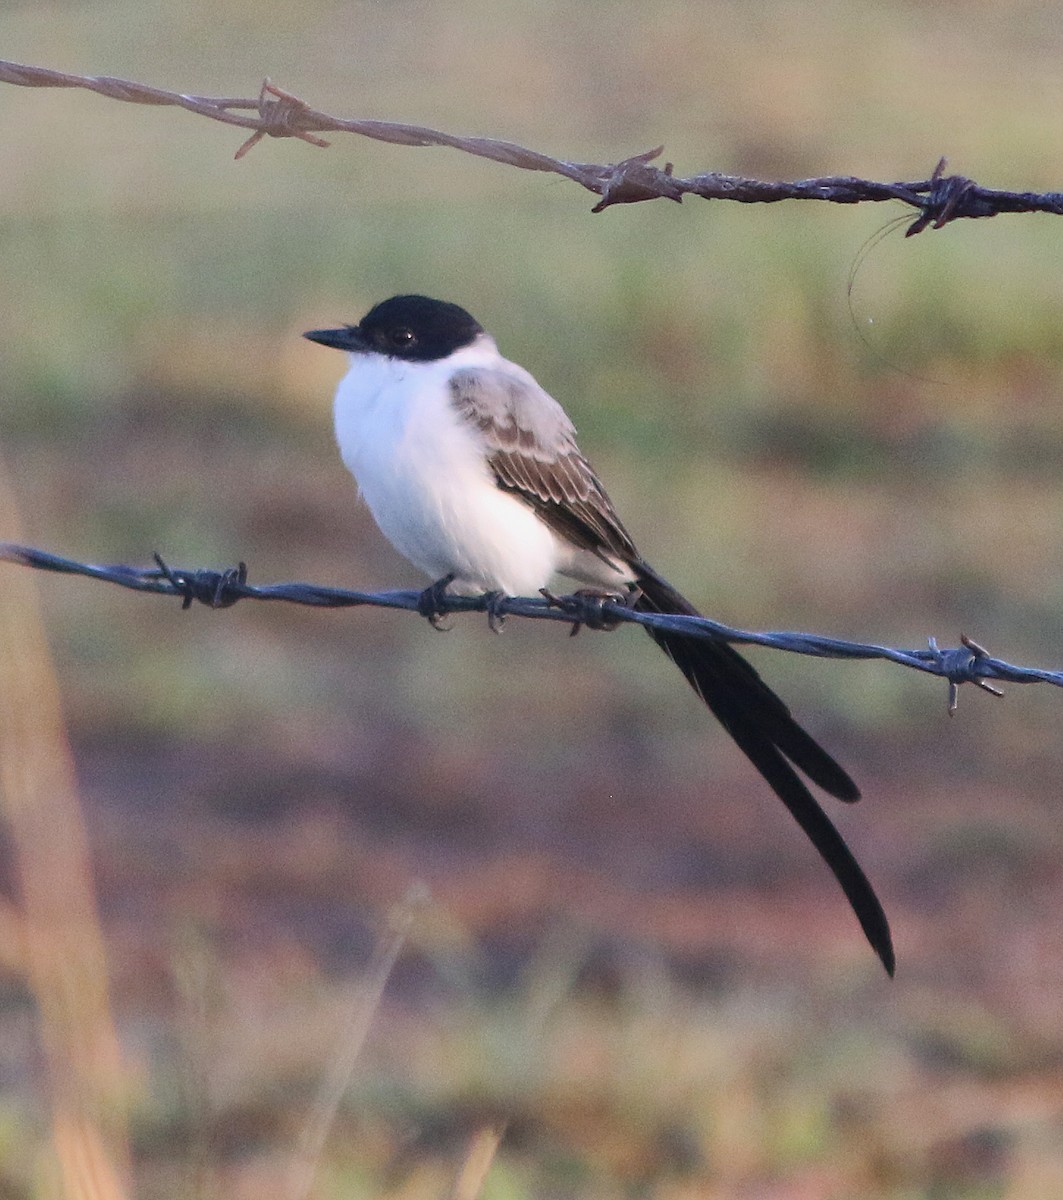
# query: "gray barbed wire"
{"points": [[939, 199], [967, 663]]}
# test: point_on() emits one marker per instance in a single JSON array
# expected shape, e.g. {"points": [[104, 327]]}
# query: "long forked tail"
{"points": [[766, 732]]}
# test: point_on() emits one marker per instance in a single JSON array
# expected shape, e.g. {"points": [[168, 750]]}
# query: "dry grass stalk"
{"points": [[62, 944]]}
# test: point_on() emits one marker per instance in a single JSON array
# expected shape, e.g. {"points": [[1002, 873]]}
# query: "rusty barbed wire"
{"points": [[967, 663], [938, 199]]}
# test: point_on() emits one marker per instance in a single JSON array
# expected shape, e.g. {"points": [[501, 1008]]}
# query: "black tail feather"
{"points": [[766, 732]]}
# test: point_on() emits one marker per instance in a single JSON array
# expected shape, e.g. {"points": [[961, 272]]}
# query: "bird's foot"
{"points": [[587, 604], [493, 605], [430, 602]]}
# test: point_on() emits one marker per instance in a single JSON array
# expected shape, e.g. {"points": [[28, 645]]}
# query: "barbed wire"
{"points": [[967, 663], [939, 199]]}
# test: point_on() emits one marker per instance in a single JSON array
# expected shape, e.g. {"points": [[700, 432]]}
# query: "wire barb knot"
{"points": [[963, 664], [282, 115], [215, 589], [949, 198], [634, 179]]}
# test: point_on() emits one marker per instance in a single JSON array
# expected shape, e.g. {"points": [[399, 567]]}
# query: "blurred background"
{"points": [[617, 946]]}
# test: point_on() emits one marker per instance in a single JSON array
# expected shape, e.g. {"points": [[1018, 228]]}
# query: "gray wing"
{"points": [[531, 447]]}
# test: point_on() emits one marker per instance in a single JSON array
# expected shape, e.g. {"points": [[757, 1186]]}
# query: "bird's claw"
{"points": [[494, 603], [430, 603], [587, 604]]}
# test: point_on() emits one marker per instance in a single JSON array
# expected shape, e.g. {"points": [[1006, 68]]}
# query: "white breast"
{"points": [[421, 470]]}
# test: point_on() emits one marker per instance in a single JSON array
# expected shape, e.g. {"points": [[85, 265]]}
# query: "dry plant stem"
{"points": [[483, 1145], [340, 1069], [938, 199], [548, 980], [63, 945]]}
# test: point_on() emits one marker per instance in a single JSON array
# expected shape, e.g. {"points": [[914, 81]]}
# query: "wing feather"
{"points": [[531, 447]]}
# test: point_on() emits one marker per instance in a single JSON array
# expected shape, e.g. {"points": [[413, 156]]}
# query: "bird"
{"points": [[472, 471]]}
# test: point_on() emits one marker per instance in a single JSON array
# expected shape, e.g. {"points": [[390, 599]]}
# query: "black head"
{"points": [[411, 327]]}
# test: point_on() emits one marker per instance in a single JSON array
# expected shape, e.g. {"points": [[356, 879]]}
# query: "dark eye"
{"points": [[401, 338]]}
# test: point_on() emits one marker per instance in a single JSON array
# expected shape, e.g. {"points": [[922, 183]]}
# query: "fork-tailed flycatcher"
{"points": [[472, 472]]}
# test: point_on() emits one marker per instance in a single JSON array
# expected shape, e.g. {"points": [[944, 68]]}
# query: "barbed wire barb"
{"points": [[969, 662], [939, 199]]}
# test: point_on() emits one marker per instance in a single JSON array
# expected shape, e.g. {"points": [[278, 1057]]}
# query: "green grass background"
{"points": [[262, 784]]}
